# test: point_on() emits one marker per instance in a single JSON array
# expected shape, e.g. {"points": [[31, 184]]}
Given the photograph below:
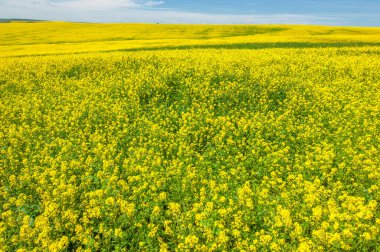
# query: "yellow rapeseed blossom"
{"points": [[191, 241], [191, 138]]}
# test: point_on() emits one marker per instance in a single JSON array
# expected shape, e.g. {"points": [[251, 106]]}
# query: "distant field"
{"points": [[118, 137], [42, 38]]}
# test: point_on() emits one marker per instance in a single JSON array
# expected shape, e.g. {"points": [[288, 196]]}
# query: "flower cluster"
{"points": [[197, 149]]}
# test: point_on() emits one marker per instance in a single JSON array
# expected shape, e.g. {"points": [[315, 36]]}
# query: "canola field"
{"points": [[126, 137]]}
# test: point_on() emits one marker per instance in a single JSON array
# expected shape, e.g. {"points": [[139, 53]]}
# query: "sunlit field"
{"points": [[126, 137]]}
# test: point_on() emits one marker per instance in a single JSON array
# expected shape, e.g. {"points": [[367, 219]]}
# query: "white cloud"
{"points": [[153, 3], [173, 16], [104, 4], [147, 11], [91, 5], [80, 5]]}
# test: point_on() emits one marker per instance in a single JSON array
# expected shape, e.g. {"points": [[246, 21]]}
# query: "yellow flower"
{"points": [[128, 208], [174, 208], [162, 196], [283, 217], [222, 238], [110, 201], [297, 232], [367, 236], [317, 213], [275, 247], [153, 231], [191, 241], [12, 180], [304, 247], [118, 232], [156, 211], [265, 239], [193, 149]]}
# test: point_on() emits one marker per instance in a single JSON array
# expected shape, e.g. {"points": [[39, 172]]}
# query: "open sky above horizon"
{"points": [[323, 12]]}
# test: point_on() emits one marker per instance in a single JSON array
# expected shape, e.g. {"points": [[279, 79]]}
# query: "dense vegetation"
{"points": [[206, 138]]}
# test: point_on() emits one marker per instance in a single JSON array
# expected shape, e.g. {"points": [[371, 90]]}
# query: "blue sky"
{"points": [[325, 12]]}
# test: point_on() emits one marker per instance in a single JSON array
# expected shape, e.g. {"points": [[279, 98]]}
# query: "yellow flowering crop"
{"points": [[189, 138]]}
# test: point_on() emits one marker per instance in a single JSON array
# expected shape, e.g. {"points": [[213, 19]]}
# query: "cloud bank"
{"points": [[153, 11]]}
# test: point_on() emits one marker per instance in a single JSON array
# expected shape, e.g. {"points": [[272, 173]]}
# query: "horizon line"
{"points": [[31, 20]]}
